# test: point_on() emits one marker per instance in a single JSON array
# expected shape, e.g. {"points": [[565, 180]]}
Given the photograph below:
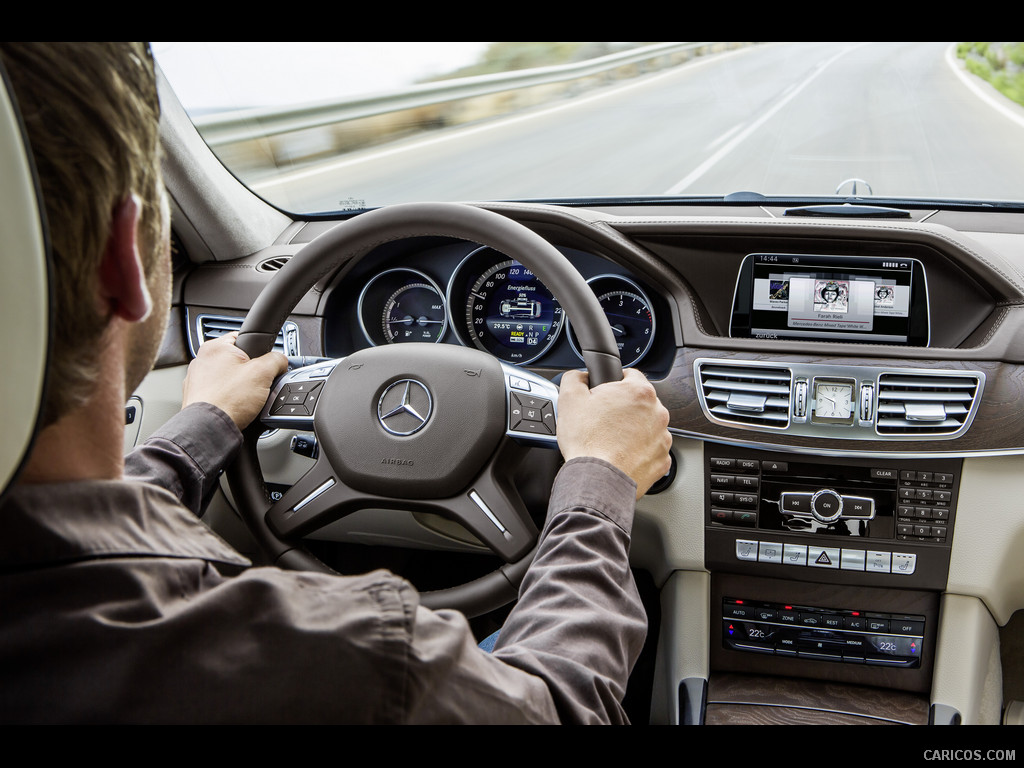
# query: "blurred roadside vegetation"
{"points": [[1002, 64]]}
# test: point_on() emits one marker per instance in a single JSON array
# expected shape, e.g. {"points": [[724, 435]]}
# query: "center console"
{"points": [[827, 568]]}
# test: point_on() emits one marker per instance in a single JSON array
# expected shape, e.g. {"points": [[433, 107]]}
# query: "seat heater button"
{"points": [[746, 550], [794, 554], [903, 563]]}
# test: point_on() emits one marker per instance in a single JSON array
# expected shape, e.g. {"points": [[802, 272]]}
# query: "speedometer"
{"points": [[508, 311]]}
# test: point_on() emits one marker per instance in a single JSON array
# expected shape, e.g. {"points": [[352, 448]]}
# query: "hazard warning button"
{"points": [[823, 557]]}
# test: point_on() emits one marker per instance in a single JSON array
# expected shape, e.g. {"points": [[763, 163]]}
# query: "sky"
{"points": [[214, 76]]}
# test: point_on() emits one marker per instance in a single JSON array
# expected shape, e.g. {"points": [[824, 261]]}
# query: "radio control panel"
{"points": [[807, 514]]}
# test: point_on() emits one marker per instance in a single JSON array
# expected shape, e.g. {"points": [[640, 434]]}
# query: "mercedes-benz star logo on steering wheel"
{"points": [[405, 407]]}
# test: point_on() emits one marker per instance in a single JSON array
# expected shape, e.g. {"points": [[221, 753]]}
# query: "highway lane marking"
{"points": [[739, 138]]}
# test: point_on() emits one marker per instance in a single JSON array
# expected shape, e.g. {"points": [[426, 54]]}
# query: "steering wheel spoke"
{"points": [[316, 499]]}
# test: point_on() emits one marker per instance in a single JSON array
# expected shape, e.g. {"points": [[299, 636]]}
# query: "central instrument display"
{"points": [[508, 311]]}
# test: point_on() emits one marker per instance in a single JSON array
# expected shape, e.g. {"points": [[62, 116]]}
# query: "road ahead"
{"points": [[786, 118]]}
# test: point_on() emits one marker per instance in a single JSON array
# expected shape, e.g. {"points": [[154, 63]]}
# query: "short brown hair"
{"points": [[92, 113]]}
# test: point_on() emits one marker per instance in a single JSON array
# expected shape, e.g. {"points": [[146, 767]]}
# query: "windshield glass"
{"points": [[318, 127]]}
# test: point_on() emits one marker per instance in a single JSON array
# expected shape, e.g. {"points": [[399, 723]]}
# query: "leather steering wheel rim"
{"points": [[354, 239]]}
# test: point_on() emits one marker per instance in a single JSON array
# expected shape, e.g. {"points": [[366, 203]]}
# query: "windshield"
{"points": [[316, 127]]}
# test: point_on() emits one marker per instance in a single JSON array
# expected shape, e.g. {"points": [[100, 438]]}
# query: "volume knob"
{"points": [[826, 506]]}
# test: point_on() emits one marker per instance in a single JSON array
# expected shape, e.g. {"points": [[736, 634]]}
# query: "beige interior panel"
{"points": [[24, 300]]}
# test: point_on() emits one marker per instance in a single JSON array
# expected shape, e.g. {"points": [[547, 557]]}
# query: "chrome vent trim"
{"points": [[745, 394], [272, 264], [214, 326], [925, 405]]}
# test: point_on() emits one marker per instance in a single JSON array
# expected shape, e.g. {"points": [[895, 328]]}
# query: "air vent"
{"points": [[746, 395], [923, 405], [272, 265], [215, 326]]}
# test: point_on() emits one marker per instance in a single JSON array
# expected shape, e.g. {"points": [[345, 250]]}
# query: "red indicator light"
{"points": [[787, 607], [855, 613]]}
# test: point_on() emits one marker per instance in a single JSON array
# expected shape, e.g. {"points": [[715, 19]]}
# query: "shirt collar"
{"points": [[65, 522]]}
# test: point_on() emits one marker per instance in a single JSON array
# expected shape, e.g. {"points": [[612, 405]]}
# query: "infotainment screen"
{"points": [[839, 298]]}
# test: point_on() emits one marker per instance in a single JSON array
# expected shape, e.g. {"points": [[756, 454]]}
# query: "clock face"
{"points": [[833, 401]]}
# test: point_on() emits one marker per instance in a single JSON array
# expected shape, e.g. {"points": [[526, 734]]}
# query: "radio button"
{"points": [[723, 464], [746, 483], [855, 506], [798, 503], [721, 516]]}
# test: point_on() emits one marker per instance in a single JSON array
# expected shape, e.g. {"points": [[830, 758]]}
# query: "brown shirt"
{"points": [[117, 604]]}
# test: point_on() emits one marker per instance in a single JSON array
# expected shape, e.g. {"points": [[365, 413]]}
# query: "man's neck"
{"points": [[88, 442]]}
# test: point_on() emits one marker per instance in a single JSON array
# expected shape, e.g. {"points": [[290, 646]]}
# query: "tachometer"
{"points": [[508, 311], [629, 313], [402, 305]]}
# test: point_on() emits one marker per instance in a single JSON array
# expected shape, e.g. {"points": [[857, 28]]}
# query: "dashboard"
{"points": [[470, 295], [844, 401]]}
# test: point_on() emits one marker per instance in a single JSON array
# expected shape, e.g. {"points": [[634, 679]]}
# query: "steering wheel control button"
{"points": [[404, 407], [518, 382]]}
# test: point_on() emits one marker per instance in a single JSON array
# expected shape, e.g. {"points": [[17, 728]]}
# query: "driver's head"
{"points": [[91, 113]]}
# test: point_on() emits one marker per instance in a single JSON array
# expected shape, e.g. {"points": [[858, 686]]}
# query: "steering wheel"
{"points": [[431, 427]]}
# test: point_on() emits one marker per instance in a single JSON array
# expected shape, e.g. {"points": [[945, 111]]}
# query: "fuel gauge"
{"points": [[402, 305]]}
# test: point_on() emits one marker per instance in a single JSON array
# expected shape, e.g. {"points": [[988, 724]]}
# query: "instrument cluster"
{"points": [[478, 297]]}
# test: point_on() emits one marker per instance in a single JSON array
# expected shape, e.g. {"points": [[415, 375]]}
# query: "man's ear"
{"points": [[122, 281]]}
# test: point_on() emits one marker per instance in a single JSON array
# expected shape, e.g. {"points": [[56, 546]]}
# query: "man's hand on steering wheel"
{"points": [[225, 376], [621, 422]]}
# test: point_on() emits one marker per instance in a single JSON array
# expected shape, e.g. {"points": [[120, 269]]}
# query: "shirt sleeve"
{"points": [[187, 454], [579, 624]]}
